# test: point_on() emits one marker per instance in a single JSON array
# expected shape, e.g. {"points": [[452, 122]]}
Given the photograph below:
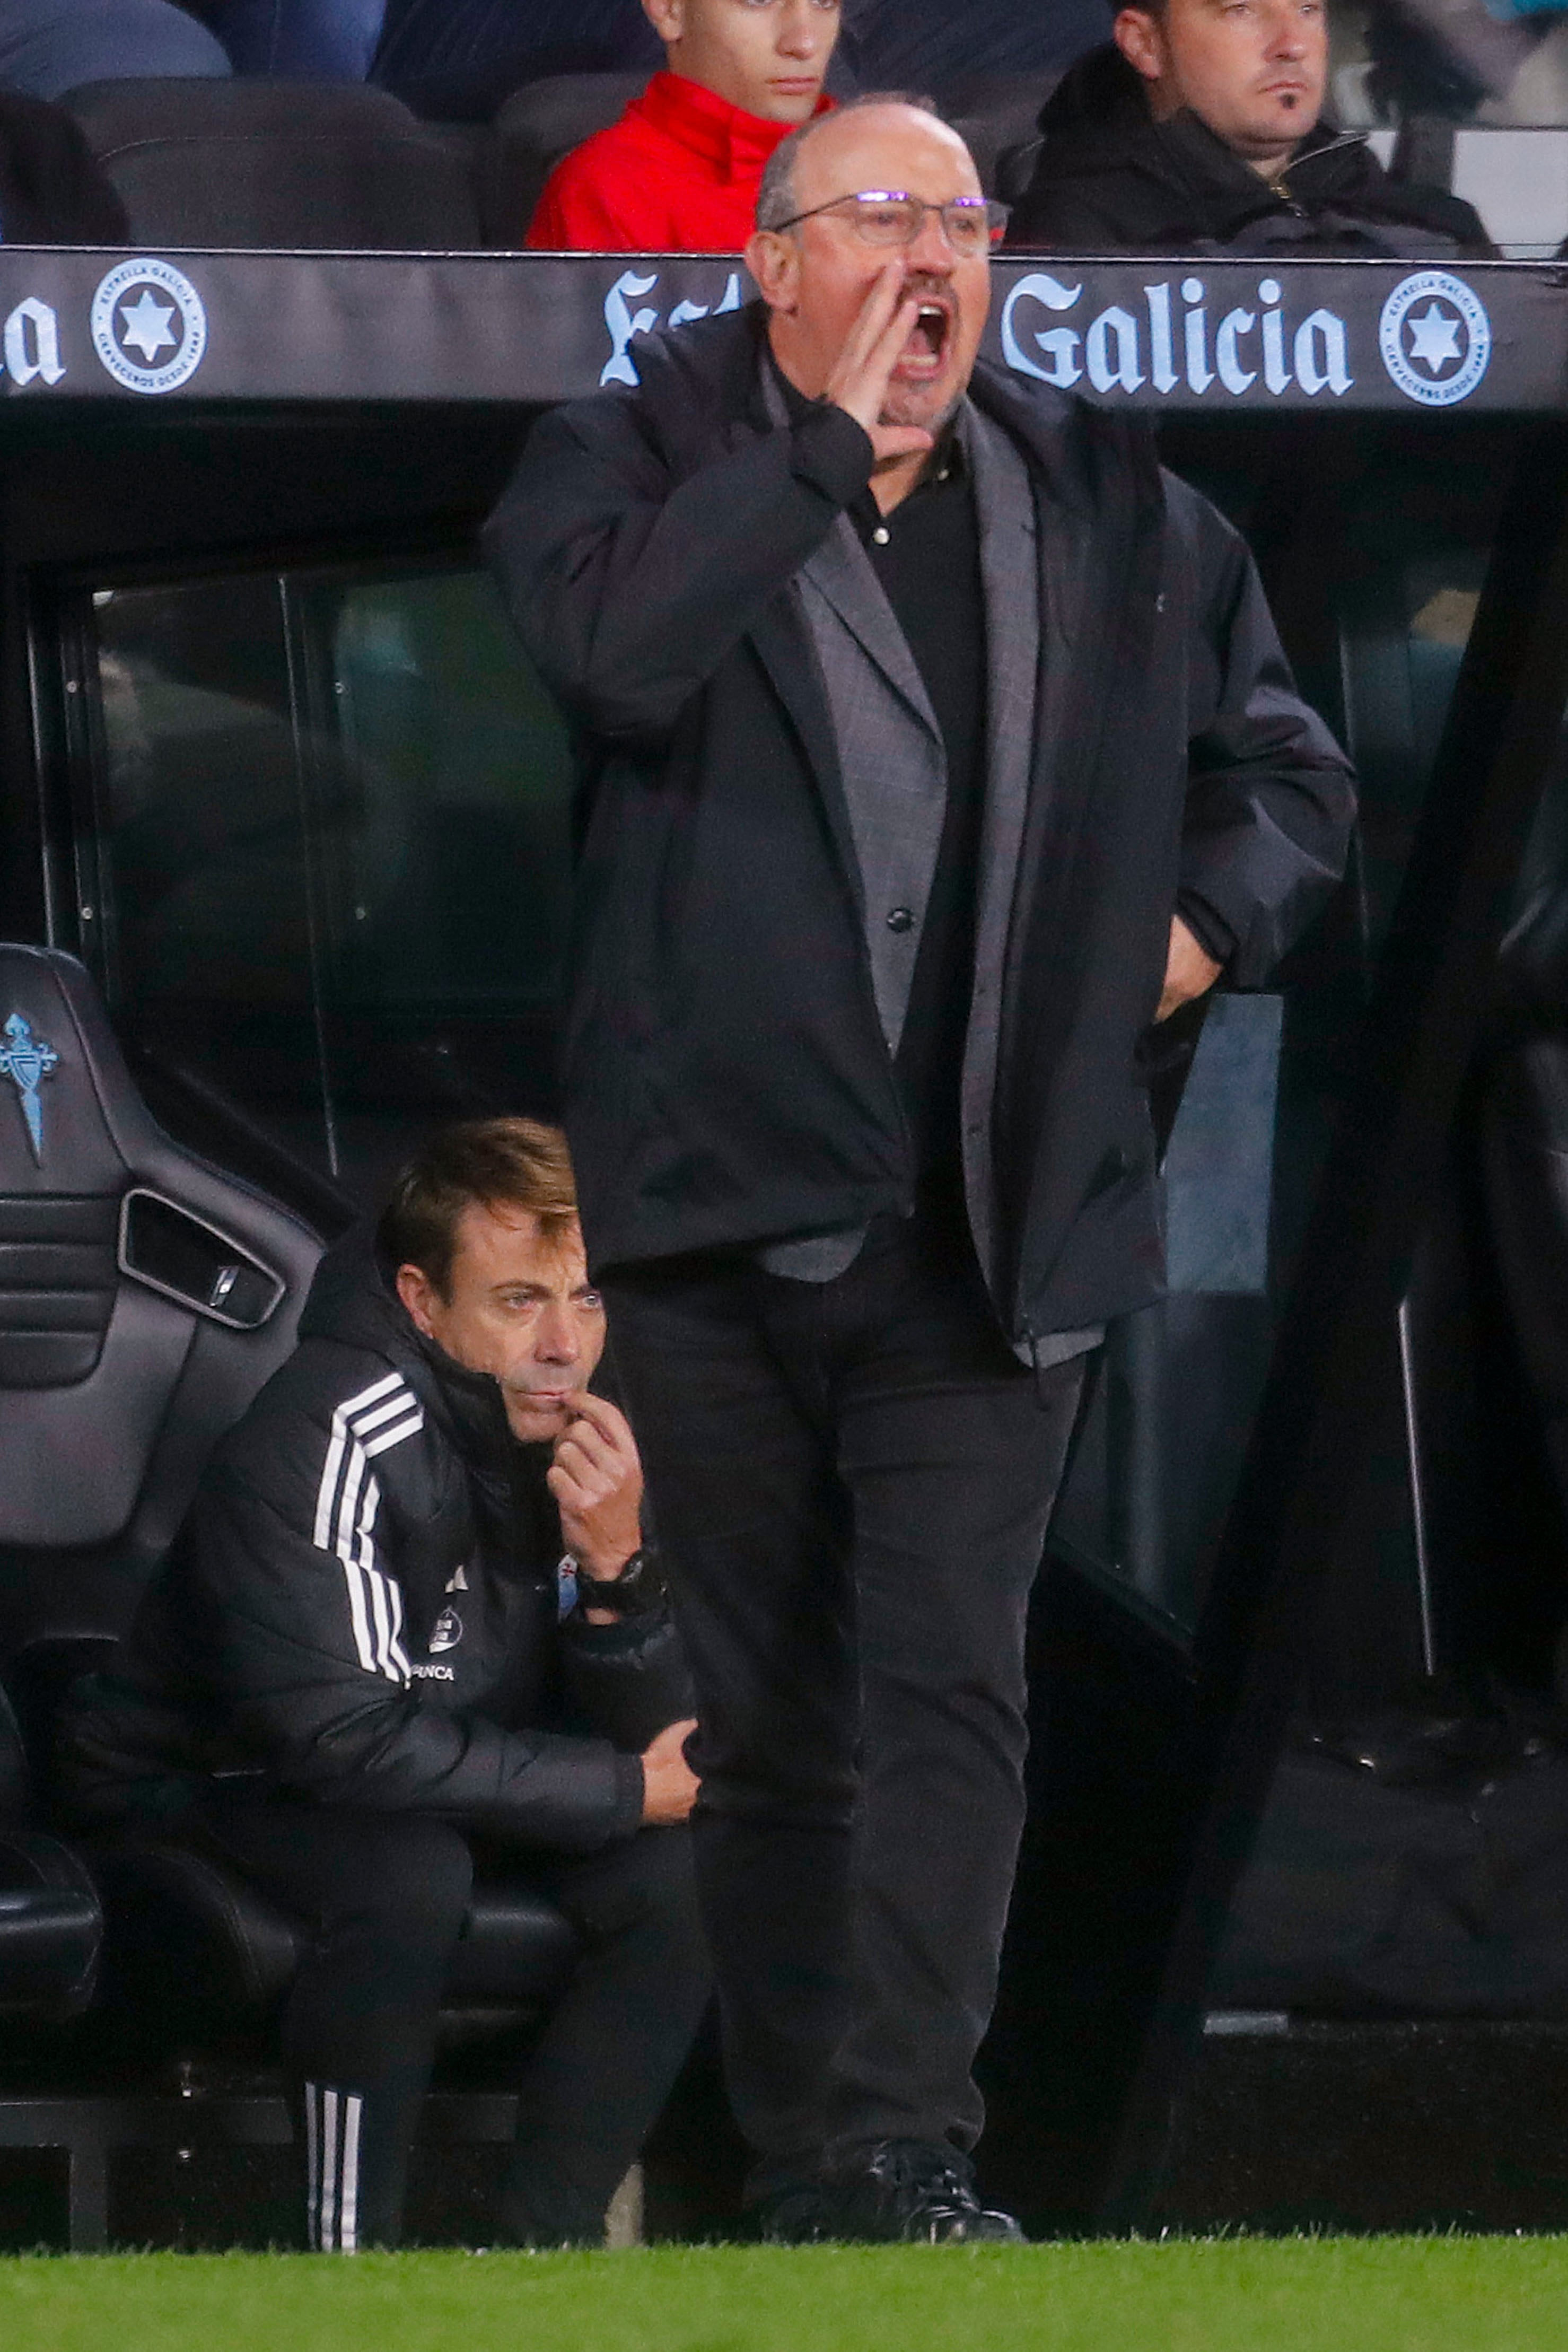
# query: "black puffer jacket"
{"points": [[51, 189], [362, 1609], [1109, 179]]}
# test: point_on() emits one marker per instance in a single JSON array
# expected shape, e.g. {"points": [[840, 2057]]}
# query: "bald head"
{"points": [[828, 148]]}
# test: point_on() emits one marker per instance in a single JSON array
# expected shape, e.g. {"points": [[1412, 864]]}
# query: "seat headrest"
{"points": [[562, 111], [69, 1123], [125, 1261], [286, 165], [70, 1118]]}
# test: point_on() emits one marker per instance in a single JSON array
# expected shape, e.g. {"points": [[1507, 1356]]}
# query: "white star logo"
{"points": [[1434, 338], [145, 324]]}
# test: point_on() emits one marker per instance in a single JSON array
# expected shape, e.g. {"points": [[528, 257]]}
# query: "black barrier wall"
{"points": [[1168, 337]]}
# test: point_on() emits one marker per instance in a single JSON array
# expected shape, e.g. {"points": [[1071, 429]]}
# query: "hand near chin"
{"points": [[596, 1478], [859, 383]]}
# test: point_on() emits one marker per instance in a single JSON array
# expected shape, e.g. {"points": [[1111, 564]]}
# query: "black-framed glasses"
{"points": [[892, 217]]}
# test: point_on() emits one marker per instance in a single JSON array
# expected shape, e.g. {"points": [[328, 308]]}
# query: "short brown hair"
{"points": [[515, 1162]]}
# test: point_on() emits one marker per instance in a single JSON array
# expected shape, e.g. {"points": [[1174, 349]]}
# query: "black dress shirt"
{"points": [[926, 556]]}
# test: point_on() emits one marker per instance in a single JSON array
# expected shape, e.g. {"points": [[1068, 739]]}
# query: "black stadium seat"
{"points": [[999, 117], [144, 1298], [284, 164], [537, 126], [50, 1921], [234, 1955]]}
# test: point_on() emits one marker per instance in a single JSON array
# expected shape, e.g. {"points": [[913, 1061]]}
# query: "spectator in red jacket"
{"points": [[681, 170]]}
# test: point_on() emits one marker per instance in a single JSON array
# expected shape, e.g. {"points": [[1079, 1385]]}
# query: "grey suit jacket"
{"points": [[893, 770]]}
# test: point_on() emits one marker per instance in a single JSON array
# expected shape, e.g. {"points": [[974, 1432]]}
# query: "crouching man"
{"points": [[410, 1616]]}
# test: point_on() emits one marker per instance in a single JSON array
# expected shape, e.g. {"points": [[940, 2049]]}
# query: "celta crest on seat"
{"points": [[26, 1061]]}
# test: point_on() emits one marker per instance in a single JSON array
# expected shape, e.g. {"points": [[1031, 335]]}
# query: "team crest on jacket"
{"points": [[447, 1632]]}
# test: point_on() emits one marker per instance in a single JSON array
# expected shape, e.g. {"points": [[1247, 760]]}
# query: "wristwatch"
{"points": [[637, 1592]]}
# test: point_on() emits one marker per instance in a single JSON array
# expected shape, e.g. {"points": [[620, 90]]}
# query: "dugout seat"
{"points": [[998, 118], [288, 166], [537, 126], [144, 1297], [51, 1924], [199, 1964]]}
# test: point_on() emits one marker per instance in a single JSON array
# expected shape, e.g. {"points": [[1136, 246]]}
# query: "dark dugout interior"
{"points": [[274, 769]]}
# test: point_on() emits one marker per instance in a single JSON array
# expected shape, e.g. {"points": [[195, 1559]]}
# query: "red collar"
{"points": [[736, 143]]}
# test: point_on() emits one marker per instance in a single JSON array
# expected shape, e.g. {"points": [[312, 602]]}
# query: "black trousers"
{"points": [[387, 1895], [851, 1483]]}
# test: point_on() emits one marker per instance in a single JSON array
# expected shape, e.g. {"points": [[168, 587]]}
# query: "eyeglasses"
{"points": [[891, 217]]}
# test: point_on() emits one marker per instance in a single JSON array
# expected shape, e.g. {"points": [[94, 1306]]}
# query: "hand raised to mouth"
{"points": [[877, 341]]}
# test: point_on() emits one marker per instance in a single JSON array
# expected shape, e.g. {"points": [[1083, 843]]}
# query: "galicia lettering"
{"points": [[624, 323], [1169, 344], [30, 341]]}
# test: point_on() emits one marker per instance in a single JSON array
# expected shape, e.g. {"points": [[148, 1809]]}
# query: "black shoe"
{"points": [[908, 2192], [799, 2215]]}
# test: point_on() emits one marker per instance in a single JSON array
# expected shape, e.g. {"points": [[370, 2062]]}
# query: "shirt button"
{"points": [[881, 535], [900, 920]]}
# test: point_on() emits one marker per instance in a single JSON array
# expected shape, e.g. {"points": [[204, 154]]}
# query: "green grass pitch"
{"points": [[1435, 2294]]}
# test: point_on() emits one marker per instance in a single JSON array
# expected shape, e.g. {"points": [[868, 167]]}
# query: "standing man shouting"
{"points": [[934, 743]]}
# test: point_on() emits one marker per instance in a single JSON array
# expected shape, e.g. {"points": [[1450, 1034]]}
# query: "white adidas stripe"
{"points": [[349, 2203], [312, 2168], [347, 1503], [333, 2168], [327, 2217], [335, 1452]]}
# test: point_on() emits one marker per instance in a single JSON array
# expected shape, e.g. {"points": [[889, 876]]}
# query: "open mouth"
{"points": [[927, 345]]}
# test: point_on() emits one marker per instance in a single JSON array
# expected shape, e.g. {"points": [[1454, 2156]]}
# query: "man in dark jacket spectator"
{"points": [[410, 1616], [932, 742], [1199, 130], [52, 191]]}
